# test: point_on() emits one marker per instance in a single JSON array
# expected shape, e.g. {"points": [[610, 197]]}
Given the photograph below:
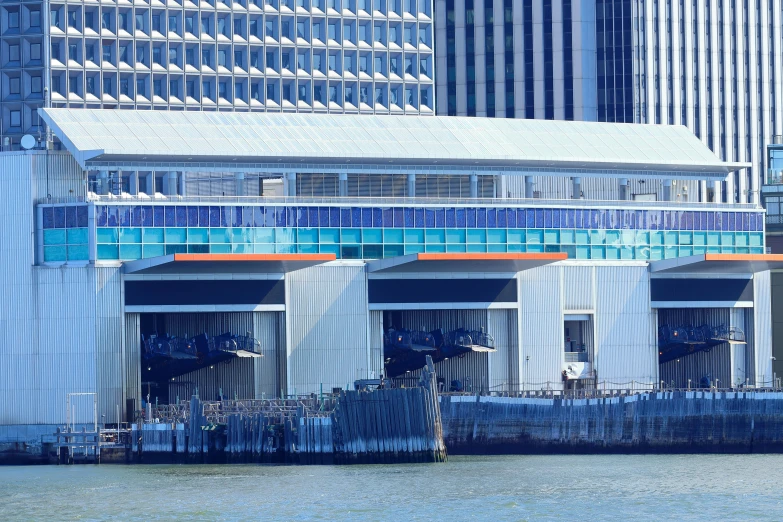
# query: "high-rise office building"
{"points": [[352, 56], [714, 66]]}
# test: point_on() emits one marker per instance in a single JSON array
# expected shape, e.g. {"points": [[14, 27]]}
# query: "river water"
{"points": [[587, 488]]}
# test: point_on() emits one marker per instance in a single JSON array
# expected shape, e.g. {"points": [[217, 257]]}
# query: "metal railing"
{"points": [[599, 393], [577, 357]]}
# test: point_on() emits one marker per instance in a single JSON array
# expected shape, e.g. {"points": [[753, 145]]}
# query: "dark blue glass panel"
{"points": [[146, 216], [618, 219], [568, 219], [500, 220], [125, 216], [688, 225], [301, 216], [203, 216], [345, 217], [248, 217], [751, 221], [702, 221], [724, 221], [158, 219], [418, 218], [334, 216], [492, 220], [429, 218], [70, 216], [281, 217], [356, 217], [367, 217], [733, 221], [531, 218], [511, 218], [556, 213], [407, 217], [632, 220], [578, 221], [312, 217], [398, 216], [323, 216], [640, 220], [470, 218], [269, 216], [710, 220], [481, 218], [214, 217], [100, 216], [113, 218], [225, 216], [136, 216], [627, 214], [192, 216], [182, 216], [81, 216], [521, 221], [258, 216], [597, 219], [388, 218], [236, 216], [451, 218], [440, 218], [59, 217], [461, 218], [547, 218], [377, 218]]}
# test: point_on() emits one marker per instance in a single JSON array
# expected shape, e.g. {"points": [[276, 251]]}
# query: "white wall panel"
{"points": [[504, 363], [541, 329], [578, 287], [762, 328], [133, 357]]}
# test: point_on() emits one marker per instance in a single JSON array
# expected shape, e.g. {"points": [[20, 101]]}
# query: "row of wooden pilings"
{"points": [[358, 426]]}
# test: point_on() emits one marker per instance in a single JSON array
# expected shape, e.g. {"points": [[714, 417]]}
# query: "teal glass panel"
{"points": [[351, 235], [217, 236], [55, 254], [656, 237], [180, 249], [493, 247], [686, 238], [686, 251], [599, 252], [727, 239], [285, 248], [477, 235], [456, 248], [78, 253], [372, 251], [713, 250], [756, 250], [570, 250], [535, 236], [108, 235], [740, 239], [413, 249], [108, 252], [130, 252], [628, 238], [477, 248], [551, 237], [266, 248], [350, 252], [670, 238], [535, 248], [727, 250], [241, 248], [198, 236], [131, 235], [713, 238], [582, 252], [243, 236], [756, 239], [393, 250], [642, 238], [517, 248], [582, 237], [267, 235], [641, 252], [516, 236], [330, 236], [626, 253], [613, 237], [455, 236], [370, 235], [436, 249], [597, 237], [77, 236], [496, 235], [305, 235], [198, 249], [742, 250], [220, 249], [285, 235], [54, 236], [699, 238], [612, 252], [150, 235], [414, 235], [567, 237], [699, 250], [176, 235], [152, 250], [435, 236], [551, 248], [393, 235], [656, 253], [669, 252], [304, 248]]}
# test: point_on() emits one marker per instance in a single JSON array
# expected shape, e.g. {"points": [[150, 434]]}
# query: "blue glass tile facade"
{"points": [[127, 232]]}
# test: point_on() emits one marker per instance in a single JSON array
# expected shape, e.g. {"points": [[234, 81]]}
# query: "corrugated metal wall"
{"points": [[328, 338], [376, 342], [504, 363], [109, 340], [133, 357], [578, 287], [63, 179], [605, 189], [234, 377], [541, 329], [762, 328], [750, 349], [716, 363], [624, 354], [270, 369]]}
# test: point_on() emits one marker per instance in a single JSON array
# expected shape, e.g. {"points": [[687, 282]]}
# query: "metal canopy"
{"points": [[192, 140], [465, 262], [225, 263], [719, 264]]}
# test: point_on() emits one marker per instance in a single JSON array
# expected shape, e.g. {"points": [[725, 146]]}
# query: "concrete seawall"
{"points": [[665, 422]]}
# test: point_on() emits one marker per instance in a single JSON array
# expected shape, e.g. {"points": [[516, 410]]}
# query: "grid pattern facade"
{"points": [[129, 232]]}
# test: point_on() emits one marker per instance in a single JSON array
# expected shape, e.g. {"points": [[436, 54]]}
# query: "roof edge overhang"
{"points": [[465, 262], [718, 264], [225, 263]]}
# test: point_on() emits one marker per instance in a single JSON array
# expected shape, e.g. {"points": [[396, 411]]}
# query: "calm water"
{"points": [[587, 488]]}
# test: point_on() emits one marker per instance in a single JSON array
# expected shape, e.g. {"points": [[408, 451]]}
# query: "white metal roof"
{"points": [[97, 137]]}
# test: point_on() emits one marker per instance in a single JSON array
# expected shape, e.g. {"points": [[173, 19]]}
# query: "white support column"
{"points": [[181, 184], [667, 190], [103, 182], [289, 184], [473, 186], [150, 183], [411, 185], [623, 189], [239, 179], [170, 184], [528, 187], [577, 188], [133, 185], [342, 182]]}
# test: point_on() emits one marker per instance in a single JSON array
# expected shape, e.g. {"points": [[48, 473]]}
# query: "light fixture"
{"points": [[211, 367], [149, 369]]}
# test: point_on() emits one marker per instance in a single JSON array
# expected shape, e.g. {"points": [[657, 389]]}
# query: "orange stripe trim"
{"points": [[254, 257], [553, 256], [744, 257]]}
